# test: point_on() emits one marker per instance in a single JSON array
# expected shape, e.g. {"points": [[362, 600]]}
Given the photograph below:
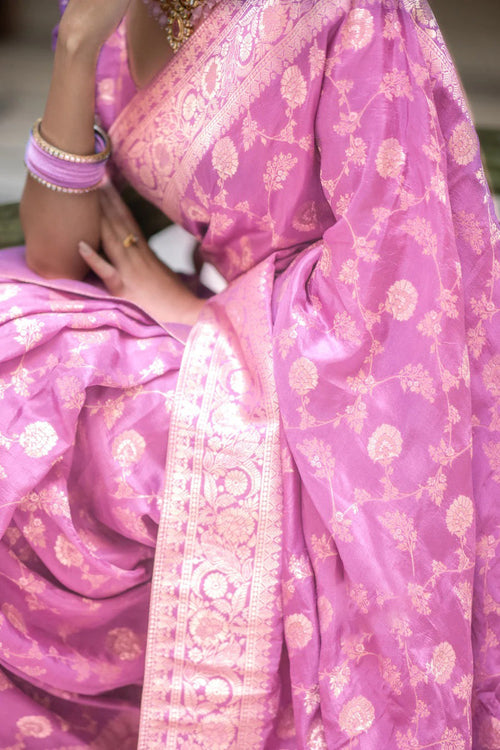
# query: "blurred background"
{"points": [[471, 28]]}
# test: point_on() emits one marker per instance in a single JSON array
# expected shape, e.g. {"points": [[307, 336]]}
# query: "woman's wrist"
{"points": [[76, 45]]}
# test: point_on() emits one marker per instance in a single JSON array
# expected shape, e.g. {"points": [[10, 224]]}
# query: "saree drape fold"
{"points": [[324, 516]]}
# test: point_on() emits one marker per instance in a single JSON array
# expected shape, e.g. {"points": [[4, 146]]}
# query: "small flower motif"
{"points": [[430, 325], [338, 679], [448, 303], [293, 87], [356, 151], [28, 331], [470, 230], [8, 291], [401, 300], [396, 84], [306, 218], [348, 123], [492, 451], [225, 158], [463, 143], [211, 78], [358, 29], [392, 27], [325, 613], [319, 455], [345, 328], [436, 487], [218, 691], [421, 230], [390, 158], [491, 375], [460, 516], [215, 585], [127, 448], [402, 529], [317, 58], [463, 590], [298, 631], [207, 627], [419, 598], [300, 568], [235, 524], [356, 716], [303, 376], [277, 170], [359, 596], [391, 674], [124, 643], [343, 204], [316, 739], [463, 689], [245, 47], [14, 617], [34, 531], [452, 740], [72, 392], [325, 261], [483, 307], [490, 732], [67, 553], [416, 379], [5, 683], [34, 726], [38, 439], [385, 444], [249, 131], [443, 662], [272, 22], [190, 107], [236, 482]]}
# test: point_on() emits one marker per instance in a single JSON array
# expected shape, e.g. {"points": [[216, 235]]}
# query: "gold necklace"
{"points": [[174, 16]]}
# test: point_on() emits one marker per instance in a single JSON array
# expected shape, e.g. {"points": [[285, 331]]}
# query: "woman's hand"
{"points": [[134, 272], [89, 23]]}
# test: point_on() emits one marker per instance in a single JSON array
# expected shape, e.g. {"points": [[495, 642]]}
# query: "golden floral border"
{"points": [[184, 73], [212, 351]]}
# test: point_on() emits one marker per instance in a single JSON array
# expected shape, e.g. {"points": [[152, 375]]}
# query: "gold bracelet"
{"points": [[58, 188], [78, 158]]}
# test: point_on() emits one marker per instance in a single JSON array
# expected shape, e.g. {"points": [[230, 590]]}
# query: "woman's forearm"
{"points": [[55, 222]]}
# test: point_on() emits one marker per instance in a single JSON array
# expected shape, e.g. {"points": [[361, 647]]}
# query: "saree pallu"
{"points": [[326, 569]]}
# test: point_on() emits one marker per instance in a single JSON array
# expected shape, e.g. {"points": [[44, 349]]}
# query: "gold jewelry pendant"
{"points": [[179, 26]]}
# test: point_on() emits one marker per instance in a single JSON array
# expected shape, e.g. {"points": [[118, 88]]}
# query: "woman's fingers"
{"points": [[118, 224], [106, 271], [112, 237], [117, 211]]}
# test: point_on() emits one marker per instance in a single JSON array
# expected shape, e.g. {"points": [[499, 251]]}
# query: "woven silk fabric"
{"points": [[308, 480]]}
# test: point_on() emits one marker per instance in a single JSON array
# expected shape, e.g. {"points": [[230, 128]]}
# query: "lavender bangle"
{"points": [[58, 174]]}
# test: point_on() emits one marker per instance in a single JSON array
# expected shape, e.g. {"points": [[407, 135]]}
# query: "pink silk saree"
{"points": [[314, 467]]}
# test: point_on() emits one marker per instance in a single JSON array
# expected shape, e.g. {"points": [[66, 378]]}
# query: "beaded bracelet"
{"points": [[66, 172], [102, 146]]}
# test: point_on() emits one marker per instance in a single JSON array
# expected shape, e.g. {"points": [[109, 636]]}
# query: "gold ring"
{"points": [[130, 239]]}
